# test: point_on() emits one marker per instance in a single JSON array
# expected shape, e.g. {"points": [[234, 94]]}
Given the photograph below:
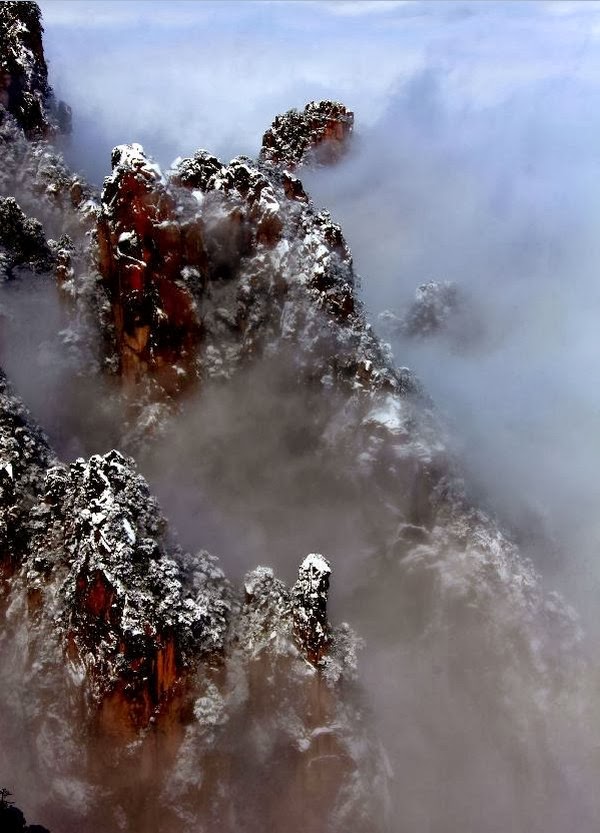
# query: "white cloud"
{"points": [[567, 8], [357, 8], [111, 13]]}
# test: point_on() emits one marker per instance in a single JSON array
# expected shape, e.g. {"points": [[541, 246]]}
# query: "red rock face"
{"points": [[157, 256], [142, 250], [293, 188], [145, 667], [318, 134], [145, 690], [96, 596]]}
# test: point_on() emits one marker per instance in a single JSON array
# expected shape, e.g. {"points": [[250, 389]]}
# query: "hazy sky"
{"points": [[180, 75]]}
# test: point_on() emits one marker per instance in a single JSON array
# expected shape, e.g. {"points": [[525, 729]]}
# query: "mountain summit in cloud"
{"points": [[372, 650]]}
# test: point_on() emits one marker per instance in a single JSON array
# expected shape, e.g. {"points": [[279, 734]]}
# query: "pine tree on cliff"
{"points": [[12, 819]]}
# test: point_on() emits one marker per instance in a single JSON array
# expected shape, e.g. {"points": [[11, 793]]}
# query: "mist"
{"points": [[475, 159], [503, 200], [212, 75]]}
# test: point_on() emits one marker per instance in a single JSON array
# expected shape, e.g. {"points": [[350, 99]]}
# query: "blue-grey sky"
{"points": [[180, 75]]}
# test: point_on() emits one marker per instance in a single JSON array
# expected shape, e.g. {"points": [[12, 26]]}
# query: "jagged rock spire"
{"points": [[309, 602], [319, 133]]}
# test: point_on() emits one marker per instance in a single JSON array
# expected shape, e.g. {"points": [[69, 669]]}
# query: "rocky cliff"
{"points": [[214, 266], [24, 88]]}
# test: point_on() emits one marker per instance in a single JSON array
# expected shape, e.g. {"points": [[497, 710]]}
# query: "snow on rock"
{"points": [[46, 217], [311, 627], [196, 172], [283, 709], [276, 619], [319, 133], [132, 156], [35, 173], [24, 88], [24, 457], [435, 302], [242, 176], [217, 265], [124, 610], [22, 241]]}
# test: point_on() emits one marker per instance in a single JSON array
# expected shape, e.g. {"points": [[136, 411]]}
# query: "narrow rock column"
{"points": [[309, 607]]}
